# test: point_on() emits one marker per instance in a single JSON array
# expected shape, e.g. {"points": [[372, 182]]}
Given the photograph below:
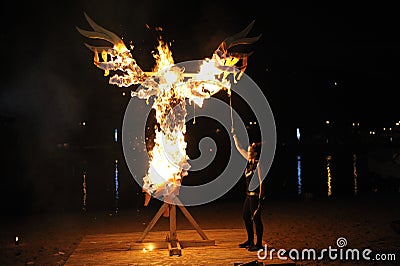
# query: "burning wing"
{"points": [[115, 57], [118, 57], [214, 71], [230, 59]]}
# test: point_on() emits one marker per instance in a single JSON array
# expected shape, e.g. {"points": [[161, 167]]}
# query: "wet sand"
{"points": [[365, 223]]}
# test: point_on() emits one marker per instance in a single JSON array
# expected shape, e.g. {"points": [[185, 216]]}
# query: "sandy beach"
{"points": [[365, 222]]}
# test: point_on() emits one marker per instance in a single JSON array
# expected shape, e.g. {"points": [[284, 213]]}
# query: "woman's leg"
{"points": [[247, 212], [258, 221]]}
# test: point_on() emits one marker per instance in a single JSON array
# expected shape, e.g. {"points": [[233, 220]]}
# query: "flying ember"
{"points": [[170, 86]]}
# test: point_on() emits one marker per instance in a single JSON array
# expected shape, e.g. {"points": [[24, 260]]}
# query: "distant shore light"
{"points": [[298, 133]]}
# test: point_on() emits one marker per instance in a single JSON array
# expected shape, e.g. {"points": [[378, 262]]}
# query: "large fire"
{"points": [[170, 86]]}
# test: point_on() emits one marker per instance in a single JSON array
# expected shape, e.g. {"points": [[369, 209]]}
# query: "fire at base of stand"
{"points": [[174, 248]]}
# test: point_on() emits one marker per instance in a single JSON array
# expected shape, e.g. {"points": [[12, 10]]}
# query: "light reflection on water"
{"points": [[298, 175], [84, 191], [304, 175], [116, 179], [337, 178], [329, 173], [355, 173]]}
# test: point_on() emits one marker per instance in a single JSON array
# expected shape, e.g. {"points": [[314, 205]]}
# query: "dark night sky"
{"points": [[48, 74], [49, 83]]}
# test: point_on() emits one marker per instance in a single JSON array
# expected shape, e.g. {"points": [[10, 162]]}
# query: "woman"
{"points": [[254, 198]]}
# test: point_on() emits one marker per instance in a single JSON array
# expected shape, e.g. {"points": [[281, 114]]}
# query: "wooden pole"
{"points": [[153, 222], [190, 218], [172, 222]]}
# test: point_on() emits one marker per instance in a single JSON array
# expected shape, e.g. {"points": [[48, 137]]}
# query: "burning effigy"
{"points": [[171, 87]]}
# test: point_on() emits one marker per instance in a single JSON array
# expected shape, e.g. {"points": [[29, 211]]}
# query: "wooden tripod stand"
{"points": [[174, 245]]}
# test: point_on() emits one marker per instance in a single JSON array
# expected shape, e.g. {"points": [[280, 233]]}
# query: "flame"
{"points": [[168, 160], [163, 56], [170, 86]]}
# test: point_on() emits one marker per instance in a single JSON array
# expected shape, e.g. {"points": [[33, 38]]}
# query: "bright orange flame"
{"points": [[170, 86], [163, 56], [168, 159]]}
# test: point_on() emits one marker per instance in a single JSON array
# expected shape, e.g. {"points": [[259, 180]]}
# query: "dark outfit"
{"points": [[251, 204]]}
